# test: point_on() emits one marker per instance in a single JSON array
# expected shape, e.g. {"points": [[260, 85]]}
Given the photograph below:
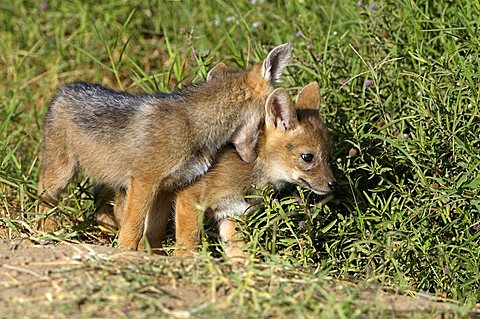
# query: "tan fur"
{"points": [[155, 147], [289, 132]]}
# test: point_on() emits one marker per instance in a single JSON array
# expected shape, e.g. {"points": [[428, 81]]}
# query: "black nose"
{"points": [[332, 184]]}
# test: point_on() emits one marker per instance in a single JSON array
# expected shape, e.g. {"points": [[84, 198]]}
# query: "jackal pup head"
{"points": [[257, 85], [297, 146]]}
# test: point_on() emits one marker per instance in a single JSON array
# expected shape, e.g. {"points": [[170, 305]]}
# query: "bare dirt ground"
{"points": [[77, 280]]}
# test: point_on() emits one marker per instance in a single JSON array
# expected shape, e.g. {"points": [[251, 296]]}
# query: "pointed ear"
{"points": [[276, 61], [279, 111], [309, 97], [217, 71]]}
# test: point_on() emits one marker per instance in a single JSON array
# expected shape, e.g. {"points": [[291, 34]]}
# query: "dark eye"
{"points": [[307, 157]]}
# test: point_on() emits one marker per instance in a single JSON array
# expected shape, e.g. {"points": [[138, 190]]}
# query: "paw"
{"points": [[181, 252], [235, 254]]}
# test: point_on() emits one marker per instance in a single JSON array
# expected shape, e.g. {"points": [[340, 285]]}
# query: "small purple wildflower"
{"points": [[302, 223], [367, 83], [196, 53], [373, 6], [182, 30], [344, 81], [475, 228], [359, 4], [309, 47], [256, 24], [43, 5], [298, 34]]}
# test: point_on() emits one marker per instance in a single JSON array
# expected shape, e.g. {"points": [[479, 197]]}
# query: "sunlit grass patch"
{"points": [[399, 85]]}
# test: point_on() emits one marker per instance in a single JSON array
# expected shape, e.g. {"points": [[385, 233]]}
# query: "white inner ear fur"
{"points": [[279, 111], [276, 61], [283, 113]]}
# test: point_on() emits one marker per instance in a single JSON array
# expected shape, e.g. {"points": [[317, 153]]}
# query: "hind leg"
{"points": [[57, 171], [104, 210], [108, 215], [119, 206], [156, 222], [139, 202]]}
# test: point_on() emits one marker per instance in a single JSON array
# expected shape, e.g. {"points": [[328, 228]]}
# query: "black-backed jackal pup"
{"points": [[145, 147], [294, 148]]}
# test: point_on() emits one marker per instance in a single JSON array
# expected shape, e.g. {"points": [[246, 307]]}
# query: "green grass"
{"points": [[407, 212]]}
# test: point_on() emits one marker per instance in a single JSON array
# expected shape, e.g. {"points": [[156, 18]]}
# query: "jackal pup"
{"points": [[294, 147], [145, 147]]}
